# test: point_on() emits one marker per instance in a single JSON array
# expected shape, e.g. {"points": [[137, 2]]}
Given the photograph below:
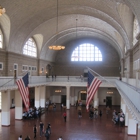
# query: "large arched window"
{"points": [[135, 31], [1, 40], [30, 48], [86, 52]]}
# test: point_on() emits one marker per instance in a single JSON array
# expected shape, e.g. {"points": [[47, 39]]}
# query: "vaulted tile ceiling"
{"points": [[109, 20]]}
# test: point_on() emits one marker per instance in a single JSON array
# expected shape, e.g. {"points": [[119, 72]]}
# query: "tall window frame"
{"points": [[30, 48], [1, 39], [86, 52]]}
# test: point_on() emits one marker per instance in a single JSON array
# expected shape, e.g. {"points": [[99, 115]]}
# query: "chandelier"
{"points": [[2, 10], [56, 47]]}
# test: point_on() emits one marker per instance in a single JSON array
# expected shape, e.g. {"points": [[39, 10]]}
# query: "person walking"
{"points": [[47, 134], [35, 131], [65, 116], [79, 114], [41, 125]]}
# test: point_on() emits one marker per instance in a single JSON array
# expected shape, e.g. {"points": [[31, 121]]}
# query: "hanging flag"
{"points": [[92, 87], [24, 90]]}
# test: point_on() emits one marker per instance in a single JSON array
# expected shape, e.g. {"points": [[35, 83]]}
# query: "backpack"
{"points": [[47, 133]]}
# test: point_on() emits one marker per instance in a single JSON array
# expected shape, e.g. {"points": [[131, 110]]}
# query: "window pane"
{"points": [[30, 48], [86, 52]]}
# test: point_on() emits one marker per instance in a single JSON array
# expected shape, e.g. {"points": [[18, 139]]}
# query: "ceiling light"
{"points": [[2, 10], [56, 47]]}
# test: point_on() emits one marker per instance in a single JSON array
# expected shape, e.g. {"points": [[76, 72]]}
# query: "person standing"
{"points": [[60, 138], [47, 134], [27, 138], [49, 128], [41, 125], [35, 131], [64, 116], [100, 113], [20, 137]]}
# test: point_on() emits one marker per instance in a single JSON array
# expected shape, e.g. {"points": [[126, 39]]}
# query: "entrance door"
{"points": [[63, 99], [108, 101]]}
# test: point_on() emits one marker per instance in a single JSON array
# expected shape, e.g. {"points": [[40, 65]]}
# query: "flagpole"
{"points": [[99, 75]]}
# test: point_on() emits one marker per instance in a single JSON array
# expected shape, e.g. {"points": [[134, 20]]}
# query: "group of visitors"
{"points": [[118, 117], [93, 112], [50, 106], [32, 113]]}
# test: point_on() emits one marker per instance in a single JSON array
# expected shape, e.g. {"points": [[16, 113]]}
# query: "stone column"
{"points": [[18, 105], [96, 100], [125, 111], [123, 106], [42, 96], [37, 97], [48, 93], [68, 97], [72, 97], [138, 132], [132, 126], [126, 117], [5, 115]]}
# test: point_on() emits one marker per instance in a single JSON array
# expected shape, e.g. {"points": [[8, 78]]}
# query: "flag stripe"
{"points": [[24, 90], [93, 85], [93, 92]]}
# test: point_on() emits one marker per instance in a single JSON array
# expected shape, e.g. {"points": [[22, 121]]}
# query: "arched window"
{"points": [[86, 52], [30, 48], [1, 40], [135, 30]]}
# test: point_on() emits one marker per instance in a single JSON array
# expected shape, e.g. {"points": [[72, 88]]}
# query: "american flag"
{"points": [[92, 87], [24, 90]]}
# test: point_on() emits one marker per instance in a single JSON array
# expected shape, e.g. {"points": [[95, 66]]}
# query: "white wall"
{"points": [[102, 94]]}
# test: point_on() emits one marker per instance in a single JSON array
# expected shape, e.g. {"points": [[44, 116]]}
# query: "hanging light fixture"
{"points": [[56, 47], [2, 10]]}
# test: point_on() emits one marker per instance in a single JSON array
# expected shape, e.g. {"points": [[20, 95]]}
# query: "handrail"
{"points": [[6, 82], [130, 92]]}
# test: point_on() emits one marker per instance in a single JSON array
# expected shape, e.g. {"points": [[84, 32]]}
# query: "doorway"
{"points": [[108, 101], [63, 99]]}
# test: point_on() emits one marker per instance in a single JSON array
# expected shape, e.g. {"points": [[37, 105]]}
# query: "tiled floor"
{"points": [[74, 129]]}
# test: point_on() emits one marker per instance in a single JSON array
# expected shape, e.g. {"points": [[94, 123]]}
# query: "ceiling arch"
{"points": [[96, 19]]}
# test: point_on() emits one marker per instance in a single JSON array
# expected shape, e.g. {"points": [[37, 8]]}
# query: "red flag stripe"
{"points": [[24, 90], [92, 88], [94, 91], [94, 83]]}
